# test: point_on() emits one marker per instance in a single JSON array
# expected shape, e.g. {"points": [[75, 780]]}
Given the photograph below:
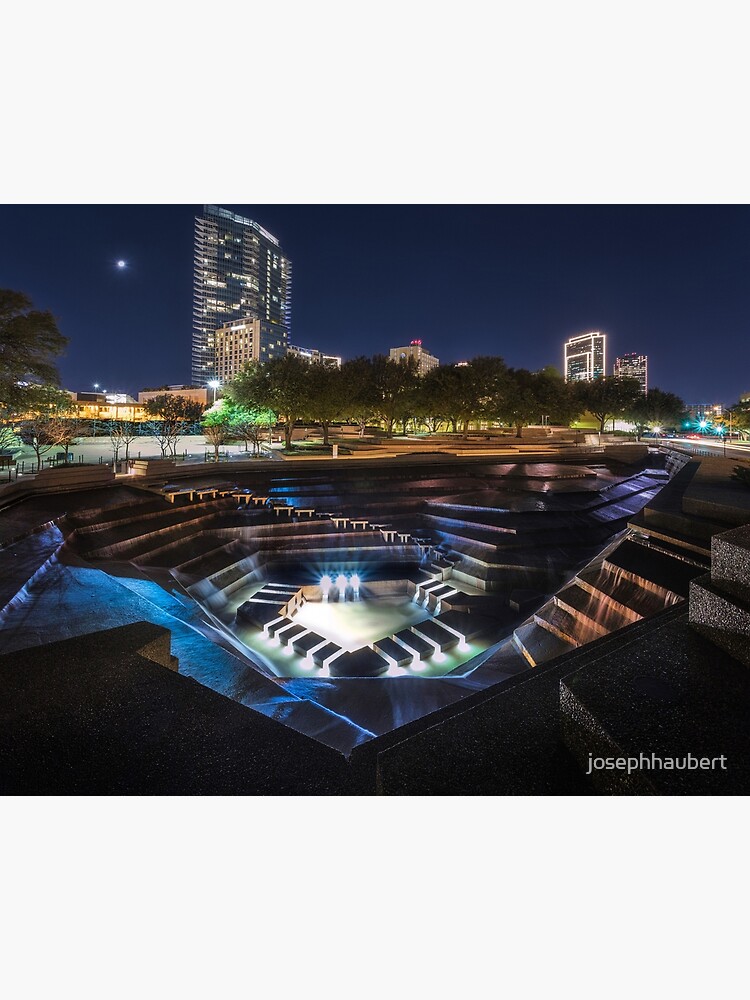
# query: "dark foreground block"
{"points": [[670, 693], [101, 715]]}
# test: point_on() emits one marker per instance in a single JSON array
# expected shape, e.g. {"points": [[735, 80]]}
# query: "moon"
{"points": [[121, 264]]}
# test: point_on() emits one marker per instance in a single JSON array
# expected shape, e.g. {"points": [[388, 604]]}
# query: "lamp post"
{"points": [[214, 384]]}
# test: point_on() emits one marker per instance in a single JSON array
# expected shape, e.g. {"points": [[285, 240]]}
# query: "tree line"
{"points": [[376, 389], [364, 390]]}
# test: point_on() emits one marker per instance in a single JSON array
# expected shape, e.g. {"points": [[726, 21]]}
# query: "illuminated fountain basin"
{"points": [[360, 623]]}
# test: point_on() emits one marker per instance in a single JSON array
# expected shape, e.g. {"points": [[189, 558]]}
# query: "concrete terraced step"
{"points": [[537, 645], [566, 625], [598, 613], [640, 563], [627, 597]]}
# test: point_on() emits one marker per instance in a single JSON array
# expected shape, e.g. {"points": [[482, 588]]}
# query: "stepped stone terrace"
{"points": [[345, 603]]}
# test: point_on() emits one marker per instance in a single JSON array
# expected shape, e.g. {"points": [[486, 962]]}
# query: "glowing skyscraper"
{"points": [[585, 357], [240, 273]]}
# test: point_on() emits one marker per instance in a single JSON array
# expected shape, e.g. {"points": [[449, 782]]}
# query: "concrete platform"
{"points": [[305, 643], [415, 643], [436, 634], [363, 662], [470, 626], [388, 647]]}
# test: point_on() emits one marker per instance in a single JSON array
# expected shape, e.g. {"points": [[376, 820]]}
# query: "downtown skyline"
{"points": [[515, 281]]}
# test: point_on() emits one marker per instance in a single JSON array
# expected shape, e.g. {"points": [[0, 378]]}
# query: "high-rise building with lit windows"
{"points": [[240, 273], [633, 366], [585, 357]]}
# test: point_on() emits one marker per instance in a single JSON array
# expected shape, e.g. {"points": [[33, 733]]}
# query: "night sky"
{"points": [[668, 281]]}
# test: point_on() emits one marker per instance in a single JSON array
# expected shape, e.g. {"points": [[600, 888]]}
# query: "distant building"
{"points": [[585, 357], [239, 273], [425, 361], [245, 340], [314, 356], [704, 411], [191, 392], [633, 366], [107, 406]]}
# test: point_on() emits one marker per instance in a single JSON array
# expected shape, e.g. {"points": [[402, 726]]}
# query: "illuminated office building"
{"points": [[633, 366], [585, 357], [424, 360], [245, 340], [240, 273]]}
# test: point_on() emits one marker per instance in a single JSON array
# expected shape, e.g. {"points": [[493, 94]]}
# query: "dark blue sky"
{"points": [[670, 281]]}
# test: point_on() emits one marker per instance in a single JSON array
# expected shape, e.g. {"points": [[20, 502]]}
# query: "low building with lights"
{"points": [[314, 356], [107, 406], [195, 394], [424, 360]]}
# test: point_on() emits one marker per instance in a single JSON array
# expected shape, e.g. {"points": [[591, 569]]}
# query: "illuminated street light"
{"points": [[341, 583], [214, 384], [325, 585]]}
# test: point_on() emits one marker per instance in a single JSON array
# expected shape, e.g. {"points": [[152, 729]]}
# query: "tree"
{"points": [[29, 341], [248, 423], [740, 417], [281, 384], [395, 389], [43, 425], [217, 429], [607, 398], [70, 429], [654, 409], [326, 397], [172, 415], [122, 433], [359, 391], [523, 401], [9, 440]]}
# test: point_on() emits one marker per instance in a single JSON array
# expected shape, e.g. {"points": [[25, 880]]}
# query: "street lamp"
{"points": [[214, 384]]}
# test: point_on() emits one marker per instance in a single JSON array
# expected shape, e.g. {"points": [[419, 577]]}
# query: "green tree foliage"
{"points": [[522, 403], [396, 386], [217, 428], [282, 385], [740, 417], [359, 392], [655, 409], [248, 423], [607, 398], [326, 401], [29, 342]]}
